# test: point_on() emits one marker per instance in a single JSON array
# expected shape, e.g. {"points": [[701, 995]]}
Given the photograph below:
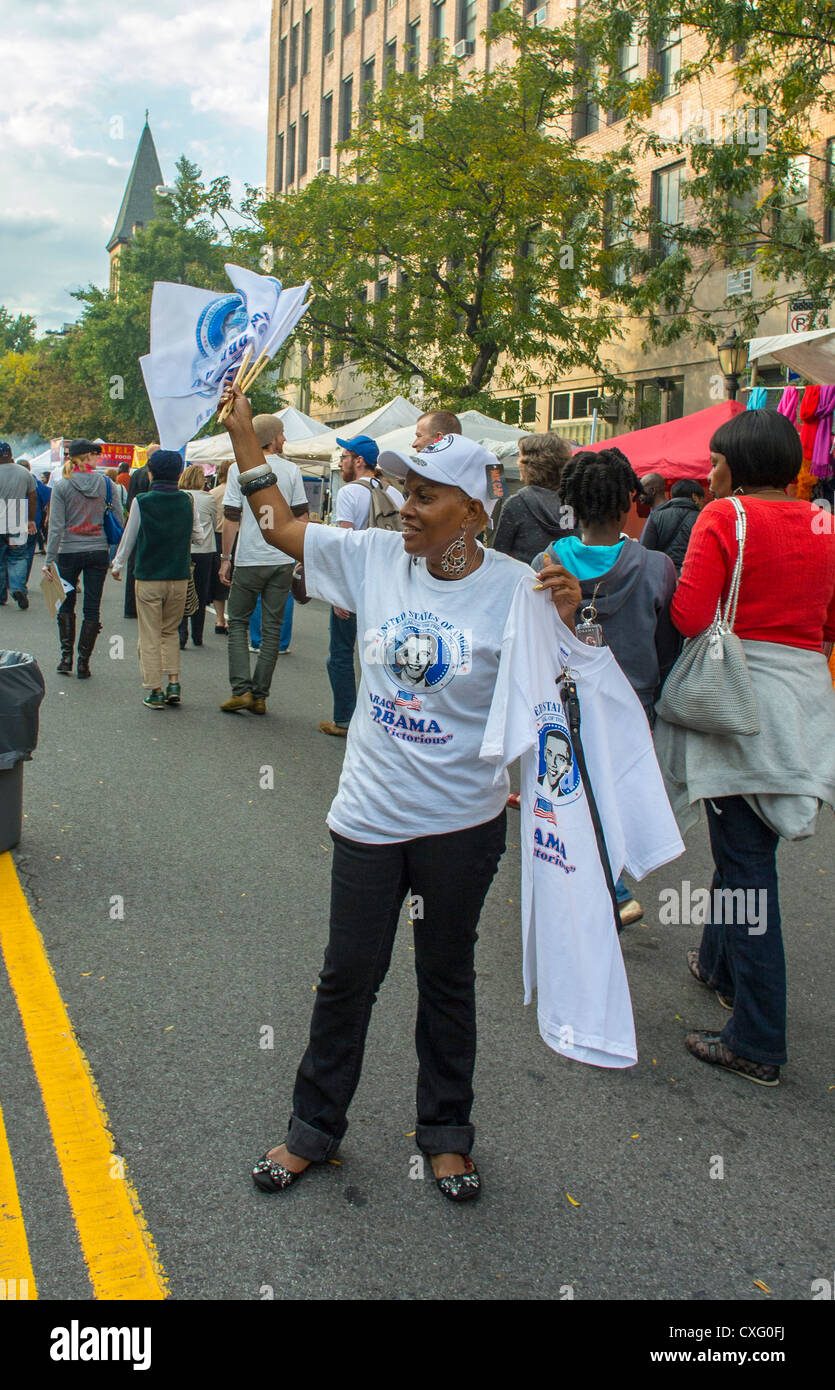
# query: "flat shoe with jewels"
{"points": [[270, 1176], [461, 1187]]}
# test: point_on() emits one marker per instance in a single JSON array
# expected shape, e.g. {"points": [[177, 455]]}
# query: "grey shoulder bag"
{"points": [[709, 688]]}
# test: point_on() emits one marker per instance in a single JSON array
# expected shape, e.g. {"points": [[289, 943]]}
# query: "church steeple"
{"points": [[137, 208], [138, 203]]}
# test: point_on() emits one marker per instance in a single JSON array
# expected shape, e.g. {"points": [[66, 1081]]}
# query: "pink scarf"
{"points": [[821, 451]]}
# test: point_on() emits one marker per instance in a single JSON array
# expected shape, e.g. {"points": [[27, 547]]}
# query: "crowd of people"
{"points": [[405, 566]]}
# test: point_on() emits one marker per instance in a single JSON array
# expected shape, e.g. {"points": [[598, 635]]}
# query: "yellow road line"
{"points": [[118, 1247], [15, 1264]]}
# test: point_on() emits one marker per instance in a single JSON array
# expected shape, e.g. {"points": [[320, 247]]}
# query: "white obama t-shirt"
{"points": [[253, 549], [353, 503], [429, 654], [570, 949]]}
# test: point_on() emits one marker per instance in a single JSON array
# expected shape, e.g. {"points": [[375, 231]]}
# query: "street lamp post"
{"points": [[732, 354]]}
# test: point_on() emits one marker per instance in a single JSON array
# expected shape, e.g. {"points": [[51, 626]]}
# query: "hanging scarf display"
{"points": [[757, 398], [788, 404], [808, 429], [822, 448]]}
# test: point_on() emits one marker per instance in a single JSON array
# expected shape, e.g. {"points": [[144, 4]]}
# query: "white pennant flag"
{"points": [[198, 338]]}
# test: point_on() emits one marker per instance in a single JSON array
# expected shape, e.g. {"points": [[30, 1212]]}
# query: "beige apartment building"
{"points": [[324, 54]]}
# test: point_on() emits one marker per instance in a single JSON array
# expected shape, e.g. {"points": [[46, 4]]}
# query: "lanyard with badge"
{"points": [[571, 705], [588, 630]]}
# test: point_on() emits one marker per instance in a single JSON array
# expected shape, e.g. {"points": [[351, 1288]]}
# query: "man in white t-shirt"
{"points": [[260, 571], [358, 466]]}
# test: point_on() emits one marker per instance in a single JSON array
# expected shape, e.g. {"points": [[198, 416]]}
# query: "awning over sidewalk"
{"points": [[812, 354], [677, 449]]}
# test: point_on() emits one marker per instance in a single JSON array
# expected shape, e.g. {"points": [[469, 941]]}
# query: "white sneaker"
{"points": [[255, 650]]}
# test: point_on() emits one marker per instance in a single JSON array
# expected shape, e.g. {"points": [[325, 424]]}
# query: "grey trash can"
{"points": [[21, 692]]}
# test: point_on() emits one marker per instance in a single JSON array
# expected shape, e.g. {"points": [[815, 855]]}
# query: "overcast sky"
{"points": [[75, 73]]}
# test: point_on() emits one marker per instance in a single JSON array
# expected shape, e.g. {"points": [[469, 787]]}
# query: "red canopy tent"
{"points": [[678, 449]]}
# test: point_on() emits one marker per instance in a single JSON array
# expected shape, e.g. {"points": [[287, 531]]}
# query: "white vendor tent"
{"points": [[42, 464], [218, 447], [811, 355], [502, 440], [396, 414]]}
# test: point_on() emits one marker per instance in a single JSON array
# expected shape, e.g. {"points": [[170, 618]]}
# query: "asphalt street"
{"points": [[193, 1012]]}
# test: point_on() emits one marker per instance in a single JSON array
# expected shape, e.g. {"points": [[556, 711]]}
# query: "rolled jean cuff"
{"points": [[307, 1142], [752, 1054], [445, 1139]]}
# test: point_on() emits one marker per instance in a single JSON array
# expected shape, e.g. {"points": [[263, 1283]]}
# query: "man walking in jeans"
{"points": [[358, 466], [260, 570], [18, 504]]}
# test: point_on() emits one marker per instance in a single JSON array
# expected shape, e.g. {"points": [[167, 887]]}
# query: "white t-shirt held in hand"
{"points": [[253, 549], [429, 653], [570, 949]]}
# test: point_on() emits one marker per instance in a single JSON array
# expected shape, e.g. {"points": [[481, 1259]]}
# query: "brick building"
{"points": [[324, 54]]}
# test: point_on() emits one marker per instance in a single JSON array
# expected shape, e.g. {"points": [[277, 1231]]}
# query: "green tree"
{"points": [[17, 333], [467, 208], [756, 187], [89, 382]]}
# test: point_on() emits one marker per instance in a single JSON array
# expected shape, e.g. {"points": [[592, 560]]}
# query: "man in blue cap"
{"points": [[358, 466]]}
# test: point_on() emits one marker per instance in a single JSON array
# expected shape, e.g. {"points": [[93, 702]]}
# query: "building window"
{"points": [[517, 410], [329, 26], [368, 7], [668, 207], [282, 66], [658, 401], [668, 61], [326, 125], [349, 16], [291, 154], [304, 126], [307, 25], [279, 163], [467, 20], [381, 290], [367, 89], [389, 60], [829, 193], [617, 236], [294, 56], [586, 112], [572, 405], [795, 192], [346, 108], [497, 5], [626, 70], [412, 54], [438, 22]]}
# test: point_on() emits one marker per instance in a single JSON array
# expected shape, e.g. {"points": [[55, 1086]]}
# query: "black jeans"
{"points": [[93, 565], [742, 944], [449, 876], [204, 567]]}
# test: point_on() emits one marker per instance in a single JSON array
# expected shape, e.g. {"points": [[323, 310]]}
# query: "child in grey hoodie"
{"points": [[630, 587]]}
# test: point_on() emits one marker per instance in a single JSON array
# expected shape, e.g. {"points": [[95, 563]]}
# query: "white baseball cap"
{"points": [[453, 460]]}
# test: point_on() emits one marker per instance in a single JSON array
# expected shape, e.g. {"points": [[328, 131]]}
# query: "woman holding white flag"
{"points": [[416, 811]]}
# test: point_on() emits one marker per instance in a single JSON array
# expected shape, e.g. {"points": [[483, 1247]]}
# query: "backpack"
{"points": [[383, 514]]}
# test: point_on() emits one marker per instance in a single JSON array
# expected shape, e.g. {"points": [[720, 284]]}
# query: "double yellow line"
{"points": [[118, 1248]]}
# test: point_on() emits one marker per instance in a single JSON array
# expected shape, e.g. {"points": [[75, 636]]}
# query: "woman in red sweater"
{"points": [[759, 787]]}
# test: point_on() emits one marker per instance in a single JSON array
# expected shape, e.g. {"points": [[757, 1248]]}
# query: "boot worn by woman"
{"points": [[66, 636], [90, 630]]}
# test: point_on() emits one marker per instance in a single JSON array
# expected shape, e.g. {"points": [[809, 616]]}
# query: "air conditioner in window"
{"points": [[392, 4], [540, 16], [739, 282], [323, 165], [464, 48]]}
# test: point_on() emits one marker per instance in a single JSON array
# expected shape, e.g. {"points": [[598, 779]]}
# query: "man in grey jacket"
{"points": [[18, 507]]}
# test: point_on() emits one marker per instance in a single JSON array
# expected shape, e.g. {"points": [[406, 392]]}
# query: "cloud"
{"points": [[77, 78]]}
